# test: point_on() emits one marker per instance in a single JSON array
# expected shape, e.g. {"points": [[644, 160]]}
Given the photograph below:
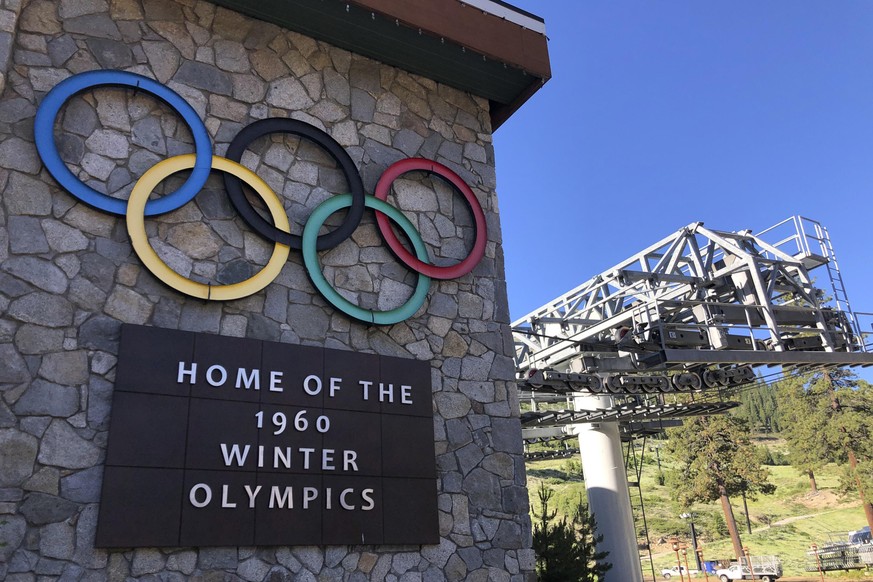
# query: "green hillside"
{"points": [[784, 524]]}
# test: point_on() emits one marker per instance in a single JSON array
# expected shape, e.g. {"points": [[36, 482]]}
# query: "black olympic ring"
{"points": [[233, 184], [138, 206]]}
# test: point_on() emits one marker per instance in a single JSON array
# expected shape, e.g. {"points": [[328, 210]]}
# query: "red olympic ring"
{"points": [[383, 187]]}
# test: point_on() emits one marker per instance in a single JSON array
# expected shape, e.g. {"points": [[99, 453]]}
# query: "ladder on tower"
{"points": [[841, 299], [699, 298], [693, 313], [811, 243], [633, 464]]}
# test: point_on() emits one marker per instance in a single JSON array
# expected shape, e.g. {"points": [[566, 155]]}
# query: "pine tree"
{"points": [[759, 407], [851, 429], [566, 552], [594, 565], [805, 413], [716, 461], [828, 419]]}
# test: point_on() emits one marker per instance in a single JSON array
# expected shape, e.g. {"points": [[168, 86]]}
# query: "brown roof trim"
{"points": [[487, 48], [472, 28], [477, 30], [500, 112]]}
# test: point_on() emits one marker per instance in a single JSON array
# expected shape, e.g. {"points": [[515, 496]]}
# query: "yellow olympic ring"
{"points": [[136, 228]]}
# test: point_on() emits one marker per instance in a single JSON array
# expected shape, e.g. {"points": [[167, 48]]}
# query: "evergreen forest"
{"points": [[790, 466]]}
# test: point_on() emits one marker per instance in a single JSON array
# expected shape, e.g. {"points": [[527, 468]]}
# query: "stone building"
{"points": [[376, 82]]}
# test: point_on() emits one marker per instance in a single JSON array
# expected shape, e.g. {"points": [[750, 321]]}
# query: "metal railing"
{"points": [[863, 322], [794, 235]]}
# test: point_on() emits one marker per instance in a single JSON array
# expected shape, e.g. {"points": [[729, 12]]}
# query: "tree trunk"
{"points": [[748, 517], [868, 513], [731, 522], [868, 508], [813, 486], [853, 461]]}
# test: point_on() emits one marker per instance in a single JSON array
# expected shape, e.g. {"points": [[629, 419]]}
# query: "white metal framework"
{"points": [[697, 298], [699, 309]]}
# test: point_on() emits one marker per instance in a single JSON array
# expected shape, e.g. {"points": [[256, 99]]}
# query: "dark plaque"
{"points": [[219, 441]]}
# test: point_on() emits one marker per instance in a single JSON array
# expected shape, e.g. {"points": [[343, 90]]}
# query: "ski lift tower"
{"points": [[696, 311]]}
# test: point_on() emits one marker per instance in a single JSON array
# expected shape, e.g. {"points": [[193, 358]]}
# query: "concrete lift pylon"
{"points": [[696, 311]]}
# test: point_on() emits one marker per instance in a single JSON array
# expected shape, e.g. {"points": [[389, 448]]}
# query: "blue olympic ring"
{"points": [[51, 105], [201, 164]]}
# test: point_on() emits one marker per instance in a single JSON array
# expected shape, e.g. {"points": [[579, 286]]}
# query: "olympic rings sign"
{"points": [[203, 161]]}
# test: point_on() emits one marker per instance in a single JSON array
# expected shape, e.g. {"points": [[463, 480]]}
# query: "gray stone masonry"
{"points": [[69, 277]]}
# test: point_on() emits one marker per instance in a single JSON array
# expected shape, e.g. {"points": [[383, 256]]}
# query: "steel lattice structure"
{"points": [[700, 297], [697, 310]]}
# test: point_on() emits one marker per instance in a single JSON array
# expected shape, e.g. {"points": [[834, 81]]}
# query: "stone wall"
{"points": [[69, 277]]}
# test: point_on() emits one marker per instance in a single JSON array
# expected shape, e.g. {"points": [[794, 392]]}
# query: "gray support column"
{"points": [[608, 498]]}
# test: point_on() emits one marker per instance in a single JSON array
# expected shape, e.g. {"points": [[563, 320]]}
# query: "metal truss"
{"points": [[697, 310], [635, 412], [698, 300], [629, 430]]}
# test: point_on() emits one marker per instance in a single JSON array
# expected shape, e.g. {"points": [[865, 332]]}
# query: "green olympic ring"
{"points": [[313, 266], [279, 233]]}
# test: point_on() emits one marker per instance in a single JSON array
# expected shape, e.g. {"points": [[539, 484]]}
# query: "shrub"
{"points": [[566, 550]]}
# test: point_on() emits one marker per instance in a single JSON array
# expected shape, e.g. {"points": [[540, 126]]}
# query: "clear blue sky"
{"points": [[659, 114]]}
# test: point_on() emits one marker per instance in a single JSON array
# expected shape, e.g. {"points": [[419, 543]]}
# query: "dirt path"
{"points": [[785, 521], [712, 578], [788, 520]]}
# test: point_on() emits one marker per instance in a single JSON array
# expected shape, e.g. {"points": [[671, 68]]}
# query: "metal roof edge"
{"points": [[511, 13]]}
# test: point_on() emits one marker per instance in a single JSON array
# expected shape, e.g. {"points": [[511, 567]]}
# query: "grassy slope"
{"points": [[796, 518]]}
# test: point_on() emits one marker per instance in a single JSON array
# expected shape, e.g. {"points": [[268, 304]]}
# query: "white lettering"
{"points": [[192, 372], [405, 394], [335, 386], [284, 458], [252, 495], [234, 455], [365, 388], [277, 496], [386, 391], [366, 495], [283, 497], [275, 381], [327, 460], [224, 500], [192, 496], [210, 376], [343, 499], [309, 494], [349, 458], [306, 453], [309, 380], [254, 378]]}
